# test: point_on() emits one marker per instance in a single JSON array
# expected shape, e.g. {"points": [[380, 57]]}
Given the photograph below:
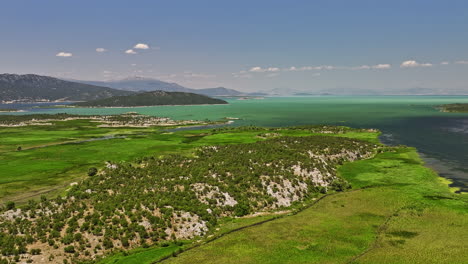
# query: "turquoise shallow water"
{"points": [[282, 111], [409, 120]]}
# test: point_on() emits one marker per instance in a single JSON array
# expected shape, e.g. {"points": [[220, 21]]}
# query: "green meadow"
{"points": [[52, 157], [50, 160], [140, 255]]}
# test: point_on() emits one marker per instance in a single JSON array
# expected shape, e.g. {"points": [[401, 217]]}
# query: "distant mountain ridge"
{"points": [[365, 92], [33, 88], [153, 98], [148, 84]]}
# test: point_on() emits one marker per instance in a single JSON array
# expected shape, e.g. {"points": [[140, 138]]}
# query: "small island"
{"points": [[154, 98], [454, 108], [8, 110]]}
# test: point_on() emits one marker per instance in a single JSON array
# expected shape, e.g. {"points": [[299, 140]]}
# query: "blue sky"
{"points": [[245, 45]]}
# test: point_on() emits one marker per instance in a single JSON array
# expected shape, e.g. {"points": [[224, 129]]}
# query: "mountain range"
{"points": [[31, 87], [138, 84]]}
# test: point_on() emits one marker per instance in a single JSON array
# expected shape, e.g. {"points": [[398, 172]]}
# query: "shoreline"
{"points": [[142, 106]]}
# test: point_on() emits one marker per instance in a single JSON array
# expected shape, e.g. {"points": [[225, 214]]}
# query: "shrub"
{"points": [[69, 249], [10, 205], [92, 171], [35, 251]]}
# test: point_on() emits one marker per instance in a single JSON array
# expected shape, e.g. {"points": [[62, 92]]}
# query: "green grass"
{"points": [[140, 255], [46, 166], [399, 212]]}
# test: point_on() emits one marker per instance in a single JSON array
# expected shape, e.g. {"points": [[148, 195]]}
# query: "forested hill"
{"points": [[153, 98], [31, 87]]}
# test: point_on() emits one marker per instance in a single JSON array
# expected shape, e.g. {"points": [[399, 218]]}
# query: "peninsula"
{"points": [[152, 99]]}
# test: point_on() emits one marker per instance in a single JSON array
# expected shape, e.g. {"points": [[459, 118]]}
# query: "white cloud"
{"points": [[382, 66], [329, 67], [256, 69], [414, 64], [461, 62], [130, 51], [326, 67], [375, 67], [101, 50], [141, 46], [64, 54], [362, 67], [445, 63], [260, 69], [312, 68], [198, 75]]}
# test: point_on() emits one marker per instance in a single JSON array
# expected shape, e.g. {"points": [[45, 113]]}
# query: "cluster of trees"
{"points": [[455, 108], [149, 202]]}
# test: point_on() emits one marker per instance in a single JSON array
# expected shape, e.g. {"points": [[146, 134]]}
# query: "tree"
{"points": [[107, 243], [35, 251], [19, 148], [10, 205], [69, 249], [92, 171], [241, 209], [125, 242]]}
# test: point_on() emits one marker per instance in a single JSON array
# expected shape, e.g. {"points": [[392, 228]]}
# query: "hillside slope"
{"points": [[153, 98], [31, 87]]}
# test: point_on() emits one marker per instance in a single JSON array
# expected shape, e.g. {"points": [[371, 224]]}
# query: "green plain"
{"points": [[51, 158]]}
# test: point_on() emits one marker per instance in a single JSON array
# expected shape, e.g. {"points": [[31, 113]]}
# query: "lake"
{"points": [[441, 138]]}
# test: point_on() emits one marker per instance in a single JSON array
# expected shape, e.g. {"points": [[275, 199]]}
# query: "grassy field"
{"points": [[140, 255], [49, 161], [45, 163], [398, 212]]}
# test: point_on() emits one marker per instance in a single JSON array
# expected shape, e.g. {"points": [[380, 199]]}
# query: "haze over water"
{"points": [[442, 138]]}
